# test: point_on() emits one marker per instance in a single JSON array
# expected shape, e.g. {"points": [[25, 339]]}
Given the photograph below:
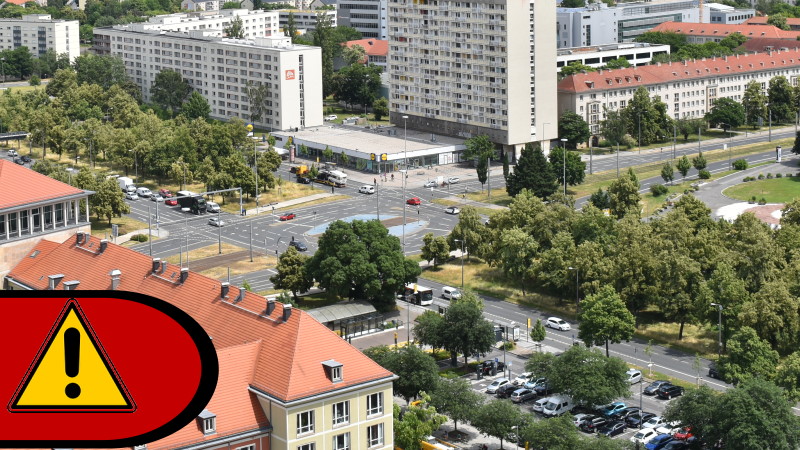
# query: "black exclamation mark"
{"points": [[72, 353]]}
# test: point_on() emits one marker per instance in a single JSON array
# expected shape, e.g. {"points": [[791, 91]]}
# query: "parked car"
{"points": [[131, 196], [713, 372], [542, 388], [658, 442], [636, 420], [683, 434], [156, 198], [216, 222], [623, 414], [654, 386], [453, 180], [669, 428], [452, 210], [538, 405], [212, 207], [667, 392], [331, 117], [143, 192], [367, 189], [644, 436], [19, 161], [634, 376], [506, 390], [26, 158], [451, 293], [430, 184], [288, 216], [557, 324], [675, 444], [654, 422], [533, 382], [577, 419], [299, 245], [591, 424], [612, 429], [12, 153], [166, 193], [492, 388], [611, 408], [558, 405], [303, 180], [522, 395], [522, 378], [171, 202], [414, 201]]}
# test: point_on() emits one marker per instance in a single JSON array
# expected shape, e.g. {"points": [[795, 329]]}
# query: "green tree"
{"points": [[791, 213], [683, 166], [600, 199], [619, 63], [428, 329], [573, 4], [258, 97], [469, 230], [613, 127], [196, 107], [435, 249], [456, 398], [416, 370], [696, 408], [170, 90], [358, 84], [538, 332], [604, 318], [674, 40], [726, 112], [774, 313], [370, 267], [699, 162], [109, 201], [104, 71], [588, 377], [532, 172], [417, 423], [668, 172], [558, 433], [623, 195], [575, 168], [572, 127], [575, 67], [291, 27], [291, 274], [733, 40], [235, 30], [781, 104], [778, 20], [755, 104], [748, 356], [518, 252], [324, 38], [685, 127], [788, 376], [380, 108], [480, 149], [465, 331], [497, 418], [62, 81], [354, 54]]}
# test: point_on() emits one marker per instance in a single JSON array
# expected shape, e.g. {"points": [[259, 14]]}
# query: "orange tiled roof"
{"points": [[373, 47], [18, 2], [20, 185], [288, 366], [678, 71], [762, 20], [723, 30], [765, 44]]}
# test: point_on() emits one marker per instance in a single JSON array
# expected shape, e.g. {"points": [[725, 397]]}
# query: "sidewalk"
{"points": [[287, 203]]}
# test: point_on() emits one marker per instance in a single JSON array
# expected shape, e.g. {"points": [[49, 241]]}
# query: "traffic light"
{"points": [[383, 156], [372, 156]]}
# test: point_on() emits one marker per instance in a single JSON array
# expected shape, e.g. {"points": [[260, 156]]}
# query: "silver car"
{"points": [[131, 195], [215, 222], [522, 394]]}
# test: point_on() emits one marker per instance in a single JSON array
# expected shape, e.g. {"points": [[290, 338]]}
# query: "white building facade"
{"points": [[636, 53], [369, 17], [304, 20], [255, 23], [688, 88], [39, 33], [477, 67], [220, 69]]}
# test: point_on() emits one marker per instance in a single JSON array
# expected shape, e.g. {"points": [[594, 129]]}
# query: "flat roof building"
{"points": [[212, 23], [304, 20], [636, 53], [40, 33], [369, 17]]}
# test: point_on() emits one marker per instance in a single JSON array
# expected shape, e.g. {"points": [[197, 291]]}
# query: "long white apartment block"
{"points": [[369, 17], [636, 53], [304, 20], [466, 68], [255, 23], [39, 33], [220, 68]]}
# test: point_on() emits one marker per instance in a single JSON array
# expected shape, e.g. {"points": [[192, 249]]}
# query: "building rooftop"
{"points": [[766, 44], [22, 186], [678, 71], [762, 20], [277, 43], [723, 30], [609, 47], [373, 47]]}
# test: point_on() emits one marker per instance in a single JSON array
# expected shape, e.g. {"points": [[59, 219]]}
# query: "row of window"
{"points": [[340, 412], [38, 219]]}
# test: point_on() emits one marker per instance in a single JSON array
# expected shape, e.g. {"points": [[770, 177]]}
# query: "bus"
{"points": [[423, 295]]}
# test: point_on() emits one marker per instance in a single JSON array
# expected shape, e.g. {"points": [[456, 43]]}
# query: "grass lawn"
{"points": [[23, 88], [243, 266], [775, 190], [205, 252], [332, 107], [101, 228], [287, 191]]}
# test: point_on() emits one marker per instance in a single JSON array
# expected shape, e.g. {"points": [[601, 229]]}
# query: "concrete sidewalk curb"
{"points": [[288, 203]]}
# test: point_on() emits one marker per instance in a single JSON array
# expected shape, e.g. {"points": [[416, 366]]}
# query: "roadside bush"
{"points": [[746, 179], [778, 175], [763, 201], [769, 176], [34, 81], [752, 199], [740, 164], [761, 176], [604, 143], [628, 141], [704, 174], [658, 190], [139, 237]]}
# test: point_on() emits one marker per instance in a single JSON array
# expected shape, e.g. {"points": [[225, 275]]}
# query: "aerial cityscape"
{"points": [[407, 224]]}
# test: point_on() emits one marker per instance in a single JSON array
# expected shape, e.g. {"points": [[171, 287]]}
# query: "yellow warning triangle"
{"points": [[72, 372]]}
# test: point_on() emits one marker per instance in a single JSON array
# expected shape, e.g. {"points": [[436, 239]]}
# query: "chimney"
{"points": [[270, 306], [103, 245], [224, 289], [71, 285], [184, 275], [156, 264], [239, 297], [115, 274], [287, 311], [79, 238], [163, 266], [53, 280]]}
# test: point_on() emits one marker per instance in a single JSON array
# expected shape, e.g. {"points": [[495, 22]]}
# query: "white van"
{"points": [[143, 192], [451, 293], [557, 405]]}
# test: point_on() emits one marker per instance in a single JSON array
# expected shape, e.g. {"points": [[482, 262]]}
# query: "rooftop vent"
{"points": [[71, 285], [270, 306], [163, 266], [53, 280], [156, 264], [103, 245], [115, 274], [79, 238], [184, 275], [239, 297], [224, 288], [287, 311]]}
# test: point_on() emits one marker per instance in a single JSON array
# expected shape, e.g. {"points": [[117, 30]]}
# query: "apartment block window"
{"points": [[305, 422], [341, 412], [375, 435], [309, 446], [341, 442], [247, 447], [208, 421], [375, 403]]}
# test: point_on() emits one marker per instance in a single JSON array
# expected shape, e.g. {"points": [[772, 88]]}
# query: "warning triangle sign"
{"points": [[72, 372]]}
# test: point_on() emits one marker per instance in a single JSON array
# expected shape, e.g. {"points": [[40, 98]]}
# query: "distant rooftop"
{"points": [[606, 47]]}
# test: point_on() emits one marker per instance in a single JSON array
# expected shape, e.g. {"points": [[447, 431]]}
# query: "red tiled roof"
{"points": [[18, 2], [289, 363], [373, 47], [667, 72], [20, 185], [723, 30], [762, 20], [765, 44]]}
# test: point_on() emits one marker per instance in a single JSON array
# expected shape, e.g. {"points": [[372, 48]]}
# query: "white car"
{"points": [[522, 378], [331, 117], [492, 388], [156, 198], [430, 184], [453, 180], [450, 293], [215, 222], [452, 210], [143, 192], [644, 436], [212, 207], [131, 195], [669, 428], [13, 152], [578, 418], [367, 189], [538, 405], [634, 376], [557, 324], [654, 423]]}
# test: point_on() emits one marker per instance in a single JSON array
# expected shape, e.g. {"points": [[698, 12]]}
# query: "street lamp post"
{"points": [[405, 162], [640, 132], [462, 262], [564, 160], [719, 326], [255, 164]]}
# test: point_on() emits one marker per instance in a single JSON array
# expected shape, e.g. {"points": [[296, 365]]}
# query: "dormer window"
{"points": [[208, 422], [140, 447], [334, 370]]}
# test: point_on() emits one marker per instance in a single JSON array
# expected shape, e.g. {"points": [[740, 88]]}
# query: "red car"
{"points": [[684, 434], [288, 216], [171, 201], [414, 201], [165, 193]]}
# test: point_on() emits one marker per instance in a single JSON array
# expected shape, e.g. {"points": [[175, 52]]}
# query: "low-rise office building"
{"points": [[40, 33], [636, 53], [688, 88], [369, 17], [728, 14]]}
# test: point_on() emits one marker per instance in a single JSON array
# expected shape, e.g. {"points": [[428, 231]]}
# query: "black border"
{"points": [[72, 305], [208, 376]]}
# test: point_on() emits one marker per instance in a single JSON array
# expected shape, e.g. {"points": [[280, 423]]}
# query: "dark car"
{"points": [[612, 428], [669, 391], [713, 372], [658, 442], [542, 388], [654, 386], [486, 367], [299, 245], [26, 158], [304, 180], [19, 161], [675, 445], [506, 390], [635, 421], [623, 414], [591, 425]]}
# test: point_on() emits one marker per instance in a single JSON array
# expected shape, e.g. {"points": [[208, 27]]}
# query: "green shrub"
{"points": [[604, 143], [685, 191], [246, 286], [34, 81], [740, 164], [763, 201], [752, 199], [778, 175], [628, 141], [658, 190], [704, 174], [769, 176], [509, 345], [761, 176], [139, 237]]}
